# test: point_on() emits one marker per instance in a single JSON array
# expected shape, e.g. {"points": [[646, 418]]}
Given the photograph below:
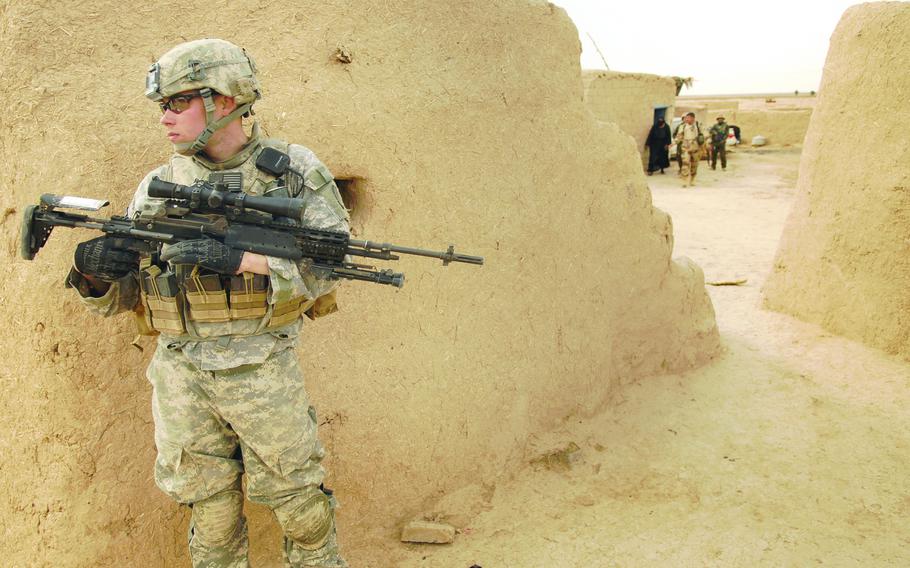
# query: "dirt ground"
{"points": [[790, 449]]}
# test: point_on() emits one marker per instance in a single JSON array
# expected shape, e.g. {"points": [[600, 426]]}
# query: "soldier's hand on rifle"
{"points": [[207, 253], [108, 258]]}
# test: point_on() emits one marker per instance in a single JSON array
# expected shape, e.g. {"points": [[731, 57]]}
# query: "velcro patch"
{"points": [[317, 177]]}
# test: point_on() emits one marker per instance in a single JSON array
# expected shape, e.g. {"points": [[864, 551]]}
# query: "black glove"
{"points": [[108, 258], [207, 253]]}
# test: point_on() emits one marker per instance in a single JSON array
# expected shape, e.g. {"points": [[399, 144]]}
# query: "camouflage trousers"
{"points": [[690, 159], [211, 427], [719, 151]]}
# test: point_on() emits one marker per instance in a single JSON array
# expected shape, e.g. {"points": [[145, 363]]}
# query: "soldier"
{"points": [[690, 140], [228, 394], [718, 134]]}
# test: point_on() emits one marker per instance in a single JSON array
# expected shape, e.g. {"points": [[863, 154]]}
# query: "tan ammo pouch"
{"points": [[212, 298], [323, 306], [285, 313], [161, 299], [249, 296], [206, 299]]}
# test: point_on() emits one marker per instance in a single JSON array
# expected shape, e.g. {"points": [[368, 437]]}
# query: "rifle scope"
{"points": [[203, 196]]}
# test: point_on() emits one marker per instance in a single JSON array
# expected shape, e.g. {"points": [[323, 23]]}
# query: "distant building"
{"points": [[782, 119], [632, 101]]}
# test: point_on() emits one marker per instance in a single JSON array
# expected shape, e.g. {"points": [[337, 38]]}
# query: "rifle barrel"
{"points": [[385, 250]]}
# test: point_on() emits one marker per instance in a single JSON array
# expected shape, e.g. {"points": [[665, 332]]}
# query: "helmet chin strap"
{"points": [[211, 125]]}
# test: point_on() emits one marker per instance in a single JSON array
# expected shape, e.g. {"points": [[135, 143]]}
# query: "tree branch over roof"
{"points": [[682, 81]]}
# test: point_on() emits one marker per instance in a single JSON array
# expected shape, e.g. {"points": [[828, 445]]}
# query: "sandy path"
{"points": [[791, 449]]}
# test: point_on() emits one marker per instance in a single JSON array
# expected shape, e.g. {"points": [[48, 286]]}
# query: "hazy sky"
{"points": [[728, 46]]}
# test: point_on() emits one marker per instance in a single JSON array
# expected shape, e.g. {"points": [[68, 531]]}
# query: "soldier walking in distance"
{"points": [[718, 134], [228, 395], [690, 140]]}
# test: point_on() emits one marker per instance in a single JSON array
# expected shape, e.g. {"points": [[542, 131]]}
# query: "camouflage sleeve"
{"points": [[323, 209], [122, 296], [141, 200]]}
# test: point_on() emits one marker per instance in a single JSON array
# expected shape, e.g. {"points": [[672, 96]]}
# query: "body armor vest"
{"points": [[189, 301]]}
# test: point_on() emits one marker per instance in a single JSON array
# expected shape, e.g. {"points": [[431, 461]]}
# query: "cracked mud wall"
{"points": [[844, 258], [448, 132]]}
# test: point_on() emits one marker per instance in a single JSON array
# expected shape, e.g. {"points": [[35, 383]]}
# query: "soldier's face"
{"points": [[186, 125], [690, 119]]}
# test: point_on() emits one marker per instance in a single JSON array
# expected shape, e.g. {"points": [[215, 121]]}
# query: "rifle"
{"points": [[264, 225]]}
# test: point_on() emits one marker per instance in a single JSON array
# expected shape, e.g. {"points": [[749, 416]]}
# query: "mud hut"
{"points": [[438, 119], [844, 258], [632, 101]]}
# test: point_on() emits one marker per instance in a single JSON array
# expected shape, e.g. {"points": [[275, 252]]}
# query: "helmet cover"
{"points": [[204, 63]]}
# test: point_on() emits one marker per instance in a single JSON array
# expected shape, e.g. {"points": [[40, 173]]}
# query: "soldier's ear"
{"points": [[225, 103]]}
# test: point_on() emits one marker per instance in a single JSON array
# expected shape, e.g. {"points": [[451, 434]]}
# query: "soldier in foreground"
{"points": [[228, 394], [718, 134], [690, 139]]}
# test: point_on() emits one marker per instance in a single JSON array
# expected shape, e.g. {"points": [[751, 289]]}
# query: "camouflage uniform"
{"points": [[229, 398], [718, 135], [687, 138]]}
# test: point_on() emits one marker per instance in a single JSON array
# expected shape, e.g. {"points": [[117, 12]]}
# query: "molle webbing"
{"points": [[285, 313], [161, 299], [206, 298], [249, 296], [171, 299]]}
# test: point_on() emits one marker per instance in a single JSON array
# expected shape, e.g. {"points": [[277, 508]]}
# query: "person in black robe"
{"points": [[659, 143]]}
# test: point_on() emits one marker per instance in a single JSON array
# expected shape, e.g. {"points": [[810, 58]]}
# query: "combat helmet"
{"points": [[211, 66]]}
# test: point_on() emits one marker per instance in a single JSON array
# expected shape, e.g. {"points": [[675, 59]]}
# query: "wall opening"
{"points": [[356, 200]]}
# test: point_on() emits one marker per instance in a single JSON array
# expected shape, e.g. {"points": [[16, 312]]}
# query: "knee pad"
{"points": [[217, 519], [307, 518]]}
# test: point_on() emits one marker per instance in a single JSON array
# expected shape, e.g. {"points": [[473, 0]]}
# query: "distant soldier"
{"points": [[678, 146], [659, 144], [719, 143], [690, 140]]}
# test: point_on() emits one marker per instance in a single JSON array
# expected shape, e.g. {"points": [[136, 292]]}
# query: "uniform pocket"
{"points": [[297, 459], [177, 474]]}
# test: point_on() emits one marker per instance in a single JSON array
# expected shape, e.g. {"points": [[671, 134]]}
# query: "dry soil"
{"points": [[791, 449]]}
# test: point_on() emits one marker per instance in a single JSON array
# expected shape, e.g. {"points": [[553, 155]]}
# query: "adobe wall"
{"points": [[779, 127], [782, 120], [700, 111], [453, 135], [844, 257], [709, 104], [769, 101], [628, 100]]}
